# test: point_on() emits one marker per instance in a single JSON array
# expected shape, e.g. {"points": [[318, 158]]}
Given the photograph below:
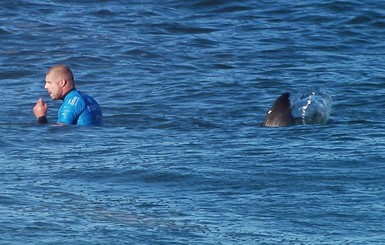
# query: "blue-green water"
{"points": [[181, 158]]}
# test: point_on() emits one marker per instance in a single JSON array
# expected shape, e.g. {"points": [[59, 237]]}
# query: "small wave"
{"points": [[141, 53], [104, 13], [370, 17], [182, 29], [14, 74], [4, 32]]}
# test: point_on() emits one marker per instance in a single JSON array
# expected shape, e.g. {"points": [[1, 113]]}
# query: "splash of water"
{"points": [[312, 106]]}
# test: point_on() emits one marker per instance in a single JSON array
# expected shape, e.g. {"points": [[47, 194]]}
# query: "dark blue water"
{"points": [[181, 158]]}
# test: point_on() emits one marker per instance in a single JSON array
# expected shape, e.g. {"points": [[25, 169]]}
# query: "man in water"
{"points": [[77, 108]]}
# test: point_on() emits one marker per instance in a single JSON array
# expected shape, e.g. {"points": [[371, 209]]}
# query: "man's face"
{"points": [[53, 86]]}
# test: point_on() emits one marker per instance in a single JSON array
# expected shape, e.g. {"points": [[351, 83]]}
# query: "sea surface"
{"points": [[181, 158]]}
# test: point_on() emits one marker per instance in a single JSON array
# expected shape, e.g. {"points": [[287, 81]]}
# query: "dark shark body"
{"points": [[279, 114]]}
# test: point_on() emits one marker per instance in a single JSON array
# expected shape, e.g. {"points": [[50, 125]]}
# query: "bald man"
{"points": [[77, 108]]}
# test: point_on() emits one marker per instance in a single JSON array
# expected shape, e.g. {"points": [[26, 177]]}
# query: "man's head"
{"points": [[59, 80]]}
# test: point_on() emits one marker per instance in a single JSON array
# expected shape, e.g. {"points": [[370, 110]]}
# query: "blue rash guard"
{"points": [[80, 109]]}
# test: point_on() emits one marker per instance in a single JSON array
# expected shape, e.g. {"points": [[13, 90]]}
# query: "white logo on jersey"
{"points": [[73, 101]]}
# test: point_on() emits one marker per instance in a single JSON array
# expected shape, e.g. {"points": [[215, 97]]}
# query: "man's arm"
{"points": [[40, 111]]}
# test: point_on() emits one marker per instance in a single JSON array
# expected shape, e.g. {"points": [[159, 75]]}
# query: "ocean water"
{"points": [[181, 158]]}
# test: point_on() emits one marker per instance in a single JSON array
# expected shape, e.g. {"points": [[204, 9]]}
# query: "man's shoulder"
{"points": [[78, 99], [74, 98]]}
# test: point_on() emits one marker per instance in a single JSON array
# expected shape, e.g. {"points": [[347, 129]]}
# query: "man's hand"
{"points": [[40, 109]]}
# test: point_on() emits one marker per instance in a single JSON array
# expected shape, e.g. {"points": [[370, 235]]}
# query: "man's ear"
{"points": [[63, 82]]}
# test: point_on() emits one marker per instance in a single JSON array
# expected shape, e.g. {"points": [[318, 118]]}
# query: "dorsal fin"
{"points": [[279, 114]]}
